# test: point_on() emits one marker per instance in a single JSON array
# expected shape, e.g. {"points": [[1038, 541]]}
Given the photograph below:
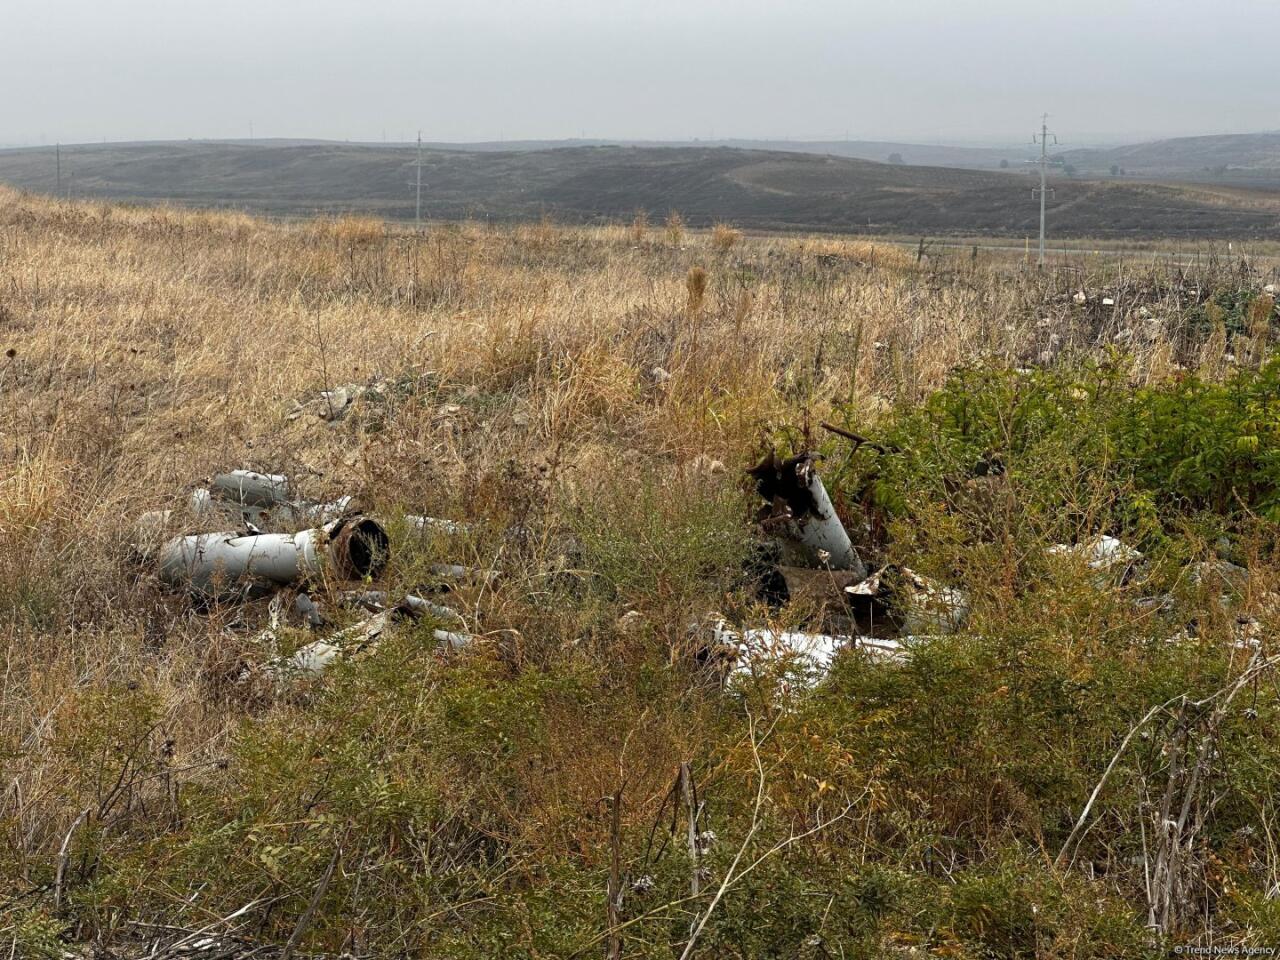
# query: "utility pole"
{"points": [[1043, 140], [417, 213]]}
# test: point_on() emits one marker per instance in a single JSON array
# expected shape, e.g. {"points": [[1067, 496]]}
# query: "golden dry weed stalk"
{"points": [[724, 237], [153, 346]]}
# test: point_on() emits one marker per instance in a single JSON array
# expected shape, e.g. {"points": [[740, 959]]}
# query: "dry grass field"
{"points": [[586, 401]]}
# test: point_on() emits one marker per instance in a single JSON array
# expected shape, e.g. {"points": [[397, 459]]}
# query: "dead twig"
{"points": [[858, 439], [733, 875], [64, 855], [308, 915]]}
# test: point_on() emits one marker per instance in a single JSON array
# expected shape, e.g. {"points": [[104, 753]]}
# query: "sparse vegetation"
{"points": [[640, 226], [675, 228], [724, 237], [586, 401]]}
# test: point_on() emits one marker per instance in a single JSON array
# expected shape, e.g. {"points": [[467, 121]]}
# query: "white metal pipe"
{"points": [[812, 651], [821, 532], [200, 560], [425, 524], [251, 489], [800, 509], [353, 548]]}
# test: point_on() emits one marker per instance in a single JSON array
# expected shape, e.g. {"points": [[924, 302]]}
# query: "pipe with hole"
{"points": [[348, 549]]}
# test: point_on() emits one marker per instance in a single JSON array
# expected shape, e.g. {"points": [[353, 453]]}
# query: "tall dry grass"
{"points": [[149, 348]]}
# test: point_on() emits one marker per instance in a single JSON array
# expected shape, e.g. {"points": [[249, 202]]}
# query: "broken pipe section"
{"points": [[801, 513], [263, 496], [350, 548]]}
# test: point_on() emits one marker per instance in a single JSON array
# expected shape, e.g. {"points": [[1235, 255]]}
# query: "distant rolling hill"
{"points": [[752, 188], [1244, 158], [912, 154]]}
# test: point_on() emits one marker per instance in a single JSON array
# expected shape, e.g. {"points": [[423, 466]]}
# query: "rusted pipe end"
{"points": [[359, 548]]}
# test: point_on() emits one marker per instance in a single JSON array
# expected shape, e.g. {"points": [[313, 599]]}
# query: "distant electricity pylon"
{"points": [[1043, 140]]}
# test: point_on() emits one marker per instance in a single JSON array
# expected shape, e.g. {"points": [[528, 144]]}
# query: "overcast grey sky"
{"points": [[929, 70]]}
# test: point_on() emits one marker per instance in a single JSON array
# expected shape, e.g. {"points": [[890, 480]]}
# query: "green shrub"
{"points": [[1082, 449]]}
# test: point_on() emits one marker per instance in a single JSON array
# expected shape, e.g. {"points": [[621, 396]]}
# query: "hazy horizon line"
{"points": [[1082, 139]]}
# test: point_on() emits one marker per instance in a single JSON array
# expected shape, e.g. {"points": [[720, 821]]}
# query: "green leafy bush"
{"points": [[1082, 447]]}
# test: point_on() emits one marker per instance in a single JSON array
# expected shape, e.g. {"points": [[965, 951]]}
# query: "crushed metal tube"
{"points": [[250, 489], [1110, 557], [802, 514], [350, 548], [814, 652], [255, 499], [261, 498]]}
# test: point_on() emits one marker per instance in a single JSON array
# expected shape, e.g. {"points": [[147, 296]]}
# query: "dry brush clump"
{"points": [[585, 400]]}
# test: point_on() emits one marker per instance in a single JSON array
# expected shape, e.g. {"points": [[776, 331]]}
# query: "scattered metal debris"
{"points": [[457, 573], [264, 499], [316, 657], [430, 525], [1105, 554], [920, 605], [307, 608], [334, 404], [375, 601], [1232, 576], [813, 652], [336, 542], [313, 658]]}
